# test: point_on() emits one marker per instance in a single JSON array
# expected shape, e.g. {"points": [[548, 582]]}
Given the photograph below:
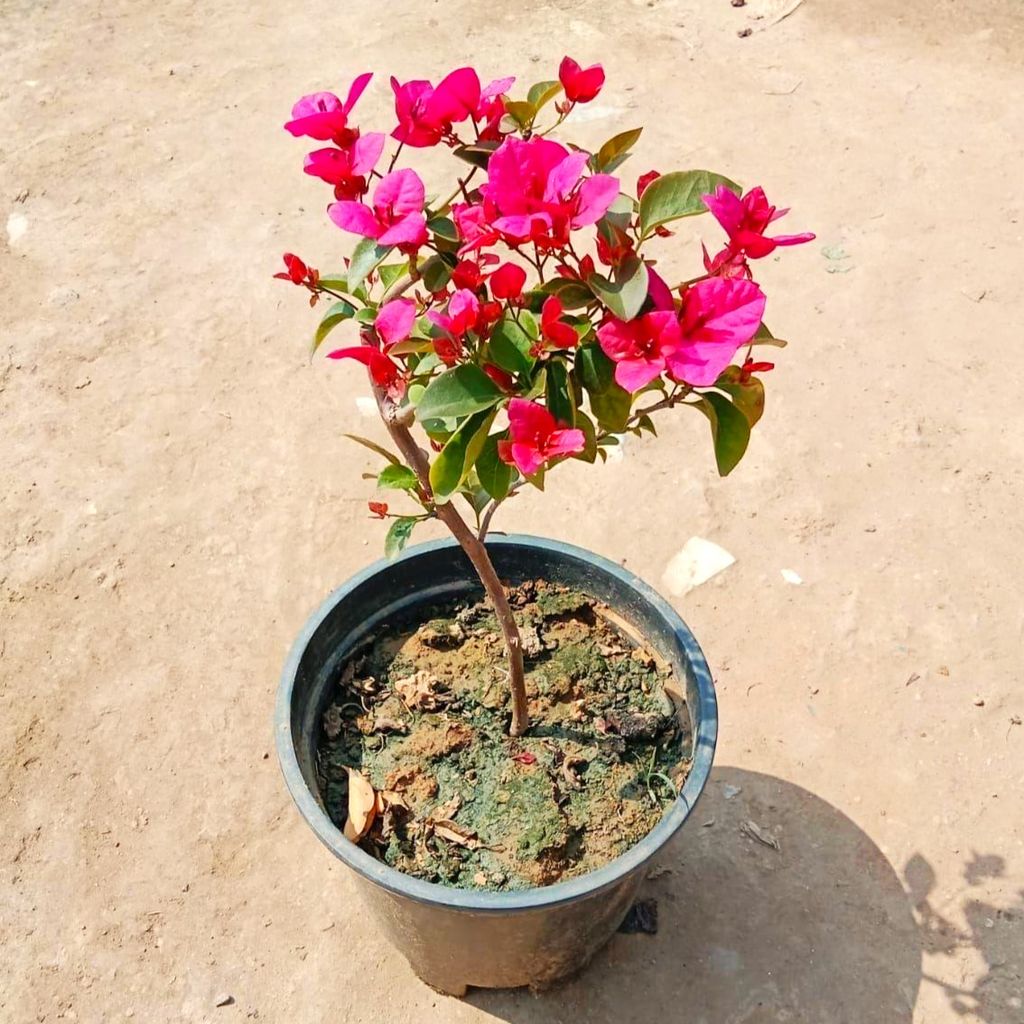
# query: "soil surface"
{"points": [[423, 713], [176, 498]]}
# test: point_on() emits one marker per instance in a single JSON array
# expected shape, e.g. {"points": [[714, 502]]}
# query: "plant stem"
{"points": [[419, 463]]}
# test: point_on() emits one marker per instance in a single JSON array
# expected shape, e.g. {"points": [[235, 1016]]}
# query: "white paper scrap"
{"points": [[694, 564]]}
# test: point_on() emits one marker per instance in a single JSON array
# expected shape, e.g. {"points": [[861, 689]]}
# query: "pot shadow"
{"points": [[820, 930]]}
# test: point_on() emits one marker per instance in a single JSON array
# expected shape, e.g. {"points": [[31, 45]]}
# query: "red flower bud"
{"points": [[296, 270], [750, 367], [378, 509], [644, 180]]}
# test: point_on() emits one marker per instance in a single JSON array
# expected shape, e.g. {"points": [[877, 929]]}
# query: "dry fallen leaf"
{"points": [[389, 798], [362, 806], [752, 829], [447, 810], [420, 692], [456, 834]]}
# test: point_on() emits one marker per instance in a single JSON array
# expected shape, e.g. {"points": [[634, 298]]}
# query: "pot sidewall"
{"points": [[458, 937]]}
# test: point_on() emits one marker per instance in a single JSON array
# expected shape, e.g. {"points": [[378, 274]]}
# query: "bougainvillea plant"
{"points": [[518, 320]]}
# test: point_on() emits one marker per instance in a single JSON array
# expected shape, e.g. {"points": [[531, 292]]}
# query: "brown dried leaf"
{"points": [[456, 834], [420, 692], [447, 810], [569, 766], [389, 798], [763, 836], [362, 806]]}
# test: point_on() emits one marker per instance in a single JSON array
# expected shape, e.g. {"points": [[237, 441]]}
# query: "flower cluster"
{"points": [[521, 320]]}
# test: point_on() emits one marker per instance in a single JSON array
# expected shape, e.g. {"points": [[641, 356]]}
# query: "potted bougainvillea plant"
{"points": [[498, 733]]}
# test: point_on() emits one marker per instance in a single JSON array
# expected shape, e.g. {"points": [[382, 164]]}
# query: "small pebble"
{"points": [[979, 702], [224, 1000], [744, 32]]}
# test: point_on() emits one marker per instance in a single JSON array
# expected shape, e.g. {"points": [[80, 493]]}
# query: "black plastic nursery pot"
{"points": [[454, 938]]}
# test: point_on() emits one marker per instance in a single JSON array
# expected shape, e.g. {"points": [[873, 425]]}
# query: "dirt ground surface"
{"points": [[177, 497]]}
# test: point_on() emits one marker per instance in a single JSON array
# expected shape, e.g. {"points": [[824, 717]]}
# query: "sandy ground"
{"points": [[176, 498]]}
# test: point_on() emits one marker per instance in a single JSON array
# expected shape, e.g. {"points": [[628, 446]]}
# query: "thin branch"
{"points": [[485, 522], [418, 461]]}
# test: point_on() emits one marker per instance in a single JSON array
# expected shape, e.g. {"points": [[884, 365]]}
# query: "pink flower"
{"points": [[507, 281], [640, 348], [746, 220], [396, 217], [321, 115], [347, 166], [394, 321], [463, 311], [471, 223], [491, 108], [384, 372], [580, 85], [726, 263], [553, 330], [716, 317], [535, 192], [535, 437], [426, 114]]}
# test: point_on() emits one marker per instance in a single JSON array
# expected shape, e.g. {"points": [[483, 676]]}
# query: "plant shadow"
{"points": [[819, 930]]}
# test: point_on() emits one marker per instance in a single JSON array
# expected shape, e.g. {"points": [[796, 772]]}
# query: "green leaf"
{"points": [[366, 256], [572, 294], [374, 447], [542, 93], [615, 150], [521, 112], [336, 282], [400, 478], [495, 476], [596, 372], [475, 495], [338, 313], [625, 293], [436, 272], [676, 195], [455, 460], [398, 535], [644, 423], [765, 337], [730, 430], [528, 322], [611, 408], [560, 400], [465, 389], [478, 154], [444, 227], [586, 424], [747, 396], [391, 272], [510, 347]]}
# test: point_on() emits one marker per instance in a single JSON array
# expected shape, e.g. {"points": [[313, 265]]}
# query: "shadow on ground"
{"points": [[820, 930]]}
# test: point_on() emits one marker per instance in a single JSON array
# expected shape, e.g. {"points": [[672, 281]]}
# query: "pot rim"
{"points": [[704, 740]]}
